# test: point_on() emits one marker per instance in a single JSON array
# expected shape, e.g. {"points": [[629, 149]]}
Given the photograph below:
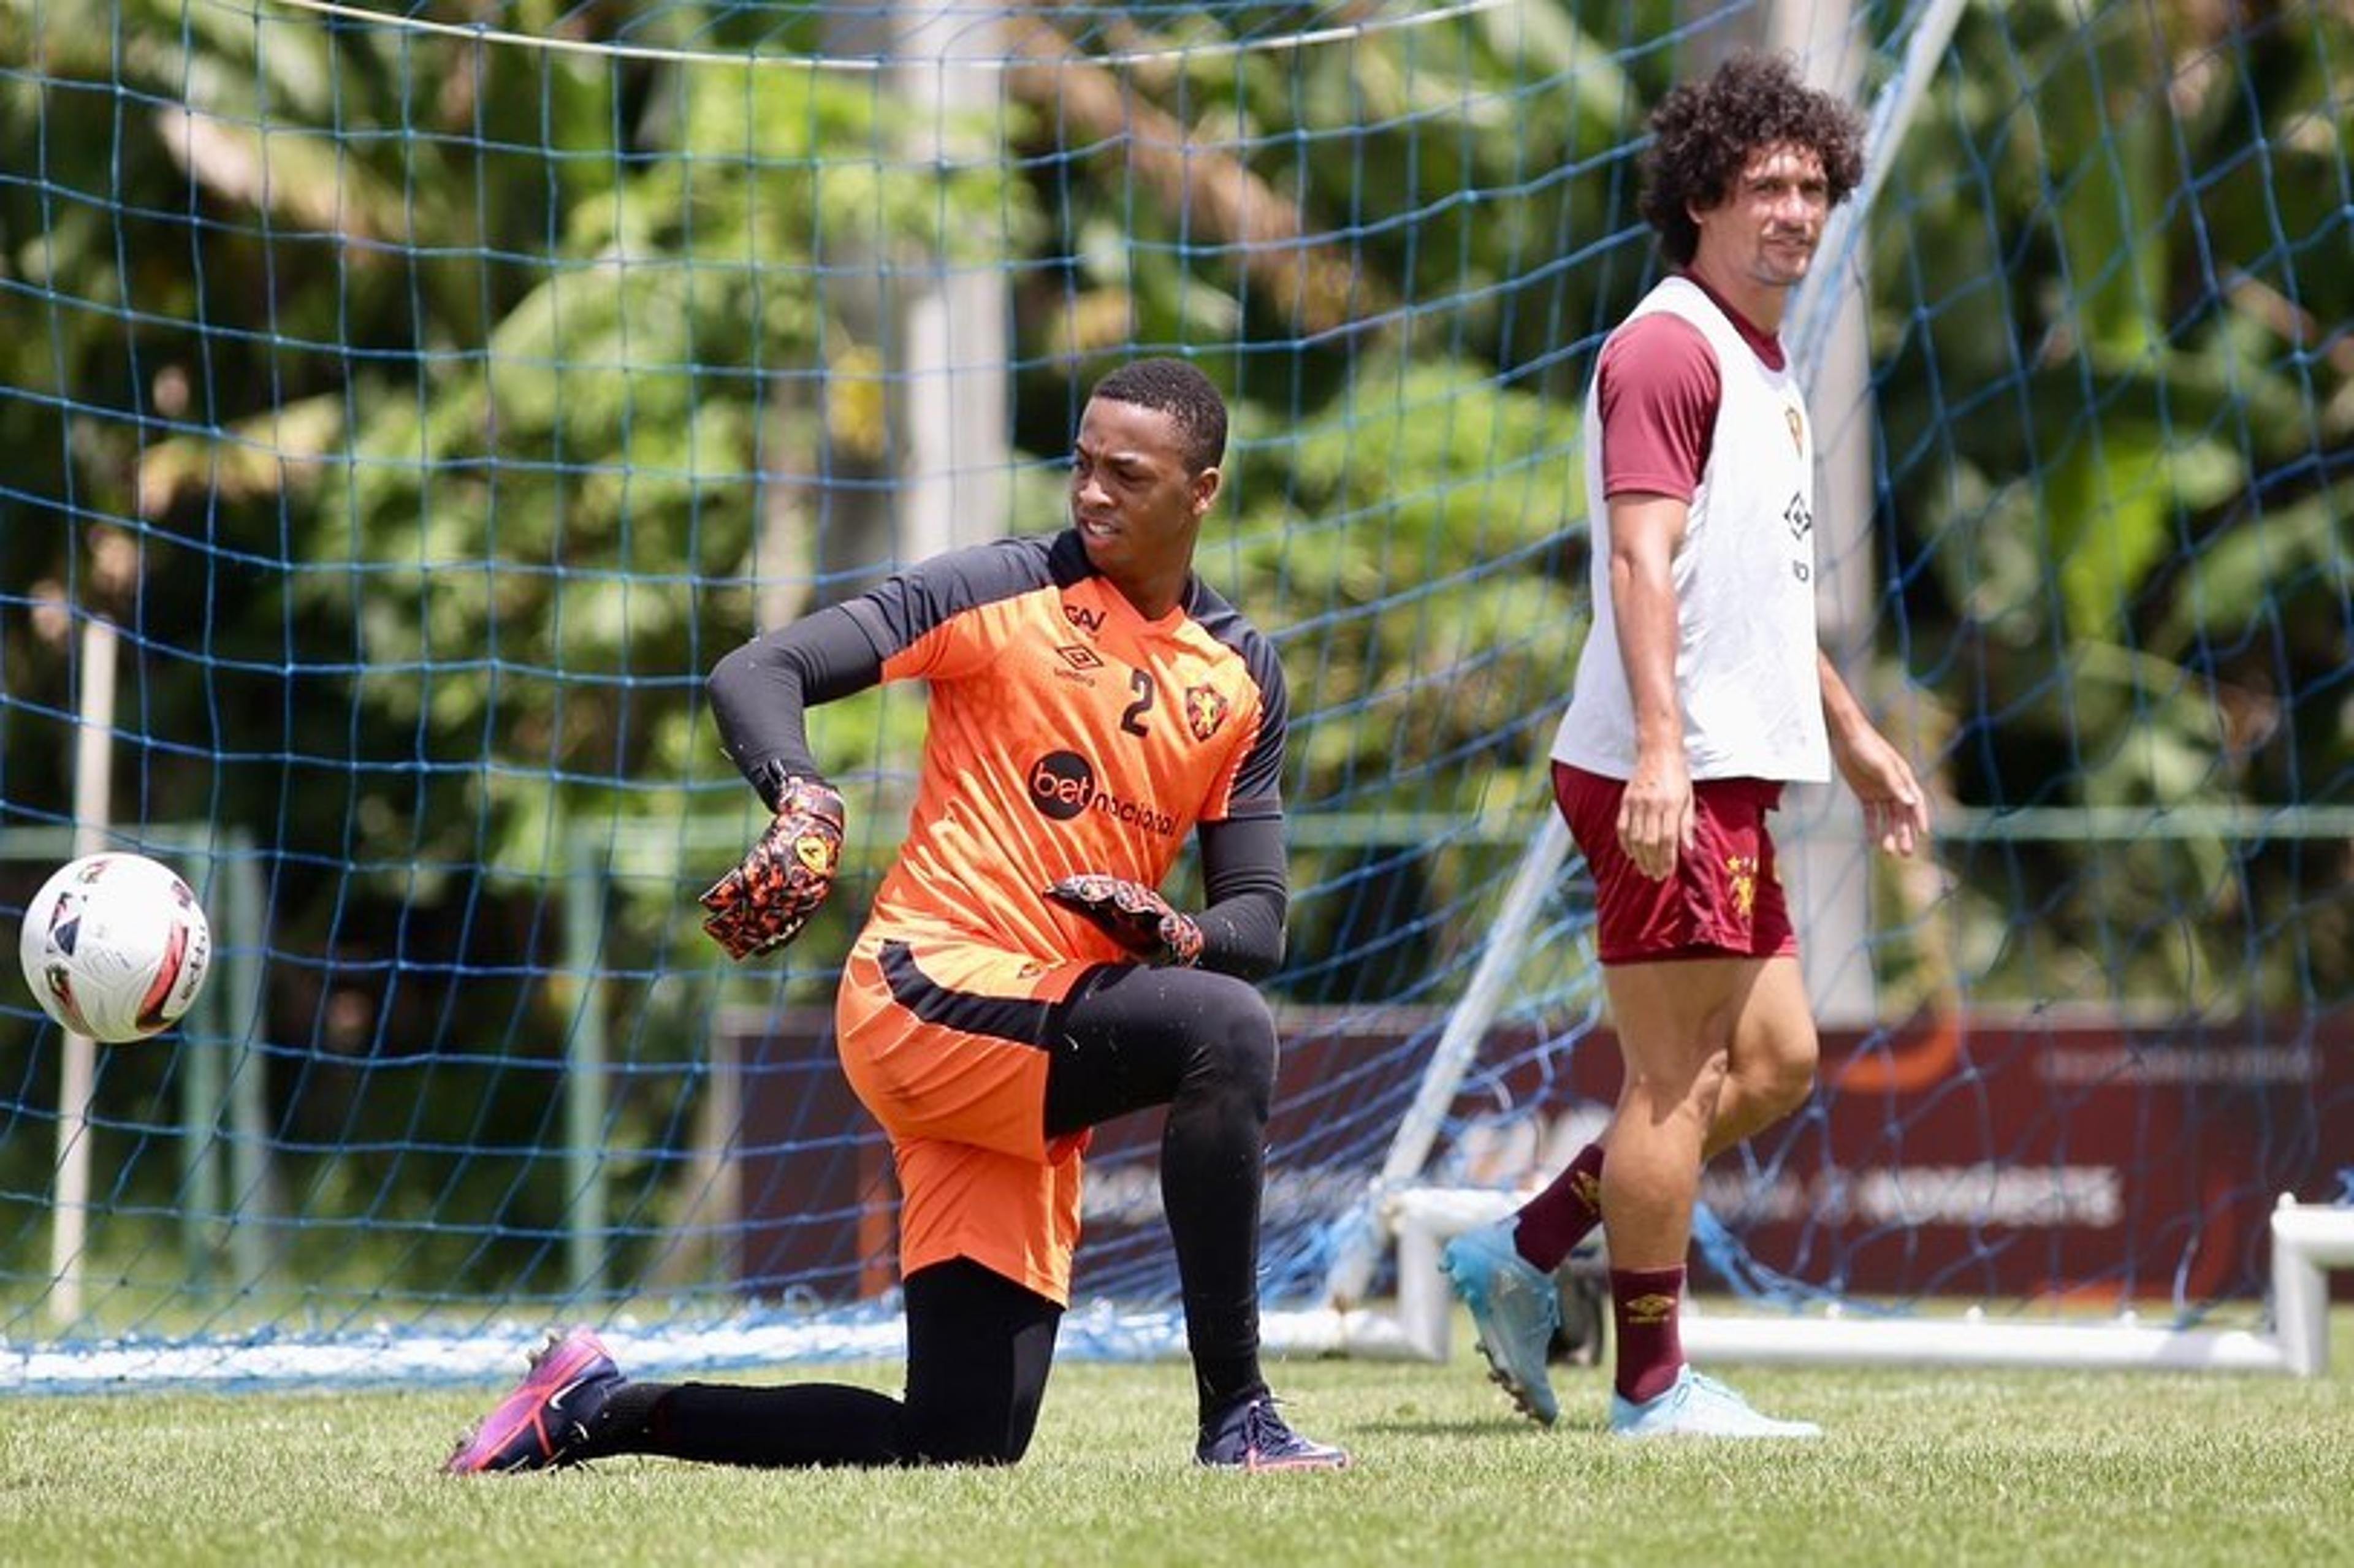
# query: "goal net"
{"points": [[419, 399]]}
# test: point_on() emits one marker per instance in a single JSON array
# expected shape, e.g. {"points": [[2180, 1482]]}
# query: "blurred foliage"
{"points": [[434, 412]]}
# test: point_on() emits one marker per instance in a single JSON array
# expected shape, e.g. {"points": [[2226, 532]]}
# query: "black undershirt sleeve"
{"points": [[1246, 885], [762, 693]]}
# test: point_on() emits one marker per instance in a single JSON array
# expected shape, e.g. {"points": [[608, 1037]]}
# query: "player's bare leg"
{"points": [[1770, 1066], [1681, 1025]]}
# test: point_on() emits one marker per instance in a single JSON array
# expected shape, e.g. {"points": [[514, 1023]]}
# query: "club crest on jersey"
{"points": [[1206, 710], [1790, 417]]}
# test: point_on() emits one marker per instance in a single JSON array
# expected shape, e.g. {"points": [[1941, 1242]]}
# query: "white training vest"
{"points": [[1745, 643]]}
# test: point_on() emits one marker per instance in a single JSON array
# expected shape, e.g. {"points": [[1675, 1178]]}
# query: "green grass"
{"points": [[1925, 1466]]}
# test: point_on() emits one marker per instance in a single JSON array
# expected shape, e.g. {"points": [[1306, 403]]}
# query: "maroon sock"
{"points": [[1643, 1305], [1554, 1221]]}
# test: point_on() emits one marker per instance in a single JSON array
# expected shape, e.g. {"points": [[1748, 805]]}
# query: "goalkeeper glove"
{"points": [[764, 903], [1134, 916]]}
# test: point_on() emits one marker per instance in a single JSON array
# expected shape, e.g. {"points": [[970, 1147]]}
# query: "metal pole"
{"points": [[583, 1077], [253, 1247], [204, 1042], [1827, 862], [959, 424], [1827, 333], [1358, 1253], [78, 1075]]}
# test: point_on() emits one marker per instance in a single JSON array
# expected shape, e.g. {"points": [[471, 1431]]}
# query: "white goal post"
{"points": [[2308, 1241]]}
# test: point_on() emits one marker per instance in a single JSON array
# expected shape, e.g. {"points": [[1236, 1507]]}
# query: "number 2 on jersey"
{"points": [[1131, 718]]}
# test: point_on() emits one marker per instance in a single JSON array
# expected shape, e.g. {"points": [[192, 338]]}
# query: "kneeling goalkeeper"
{"points": [[1020, 978]]}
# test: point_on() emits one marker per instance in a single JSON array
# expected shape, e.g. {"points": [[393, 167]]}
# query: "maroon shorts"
{"points": [[1724, 898]]}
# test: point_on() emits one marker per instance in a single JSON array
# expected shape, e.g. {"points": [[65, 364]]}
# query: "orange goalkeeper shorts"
{"points": [[945, 1043]]}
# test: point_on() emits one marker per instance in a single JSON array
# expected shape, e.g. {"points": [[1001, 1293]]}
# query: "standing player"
{"points": [[1019, 979], [1701, 691]]}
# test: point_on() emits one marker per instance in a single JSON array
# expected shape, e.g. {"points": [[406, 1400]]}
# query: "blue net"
{"points": [[428, 395]]}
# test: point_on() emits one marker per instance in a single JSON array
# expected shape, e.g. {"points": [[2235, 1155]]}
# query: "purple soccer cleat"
{"points": [[544, 1423], [1253, 1437]]}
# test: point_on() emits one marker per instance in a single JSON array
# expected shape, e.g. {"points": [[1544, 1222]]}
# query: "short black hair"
{"points": [[1178, 389], [1705, 132]]}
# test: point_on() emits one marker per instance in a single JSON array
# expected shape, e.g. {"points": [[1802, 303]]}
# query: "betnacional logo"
{"points": [[1061, 785], [1063, 788], [1206, 710]]}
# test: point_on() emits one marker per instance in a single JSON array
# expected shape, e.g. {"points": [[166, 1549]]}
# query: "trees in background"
{"points": [[432, 411]]}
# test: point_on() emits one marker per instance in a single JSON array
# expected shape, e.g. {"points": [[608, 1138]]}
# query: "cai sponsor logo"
{"points": [[1063, 788], [1087, 620]]}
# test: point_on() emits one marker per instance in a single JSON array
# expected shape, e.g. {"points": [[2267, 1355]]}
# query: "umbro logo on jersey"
{"points": [[1087, 620], [1799, 516], [1080, 656]]}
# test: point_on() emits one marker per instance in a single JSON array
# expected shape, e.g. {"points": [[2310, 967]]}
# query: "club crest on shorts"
{"points": [[1741, 876], [1206, 710]]}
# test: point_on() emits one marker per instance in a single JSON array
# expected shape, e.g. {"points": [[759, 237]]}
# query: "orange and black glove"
{"points": [[764, 903], [1134, 916]]}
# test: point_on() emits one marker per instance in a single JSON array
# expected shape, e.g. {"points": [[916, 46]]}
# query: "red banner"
{"points": [[1973, 1157], [2009, 1158]]}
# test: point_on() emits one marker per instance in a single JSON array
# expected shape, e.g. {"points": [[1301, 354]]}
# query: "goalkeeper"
{"points": [[1019, 978]]}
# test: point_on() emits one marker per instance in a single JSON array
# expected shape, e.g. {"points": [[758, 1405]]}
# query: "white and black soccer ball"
{"points": [[115, 946]]}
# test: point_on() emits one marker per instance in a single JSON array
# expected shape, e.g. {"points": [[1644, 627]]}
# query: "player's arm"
{"points": [[1658, 390], [1895, 808], [1246, 883], [760, 694], [1655, 814]]}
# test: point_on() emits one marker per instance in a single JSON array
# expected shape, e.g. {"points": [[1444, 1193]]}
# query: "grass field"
{"points": [[1922, 1467]]}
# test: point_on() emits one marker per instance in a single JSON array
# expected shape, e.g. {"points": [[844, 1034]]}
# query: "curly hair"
{"points": [[1174, 388], [1703, 134]]}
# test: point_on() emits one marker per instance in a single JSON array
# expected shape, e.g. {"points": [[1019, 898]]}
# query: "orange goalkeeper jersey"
{"points": [[1066, 734]]}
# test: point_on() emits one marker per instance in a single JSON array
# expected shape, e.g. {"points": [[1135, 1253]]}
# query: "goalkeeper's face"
{"points": [[1137, 505]]}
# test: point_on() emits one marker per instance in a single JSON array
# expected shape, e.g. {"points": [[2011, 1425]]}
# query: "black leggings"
{"points": [[980, 1346], [1204, 1045]]}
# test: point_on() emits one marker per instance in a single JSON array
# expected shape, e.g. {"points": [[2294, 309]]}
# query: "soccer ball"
{"points": [[115, 946]]}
